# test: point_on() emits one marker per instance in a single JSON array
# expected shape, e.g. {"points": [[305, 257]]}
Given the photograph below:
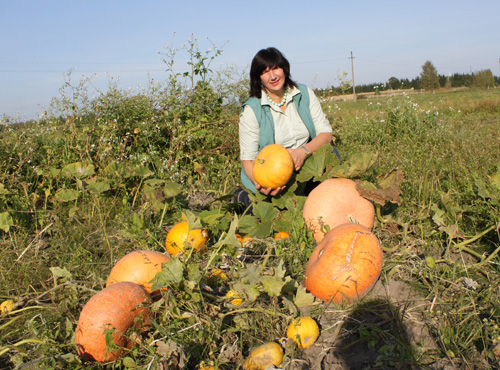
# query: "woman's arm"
{"points": [[323, 128], [299, 155]]}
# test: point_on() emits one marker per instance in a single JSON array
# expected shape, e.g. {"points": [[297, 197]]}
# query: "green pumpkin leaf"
{"points": [[78, 170], [67, 195], [265, 211], [303, 298], [260, 230], [313, 166], [354, 167], [251, 291], [4, 191], [128, 362], [439, 215], [60, 273], [495, 180], [170, 275], [193, 221], [142, 171], [272, 285], [99, 186], [211, 219], [171, 189], [154, 182], [54, 173], [6, 221]]}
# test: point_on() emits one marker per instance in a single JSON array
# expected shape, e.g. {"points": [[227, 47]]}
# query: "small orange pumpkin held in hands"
{"points": [[345, 265], [335, 202], [179, 236], [139, 267], [116, 308], [273, 167]]}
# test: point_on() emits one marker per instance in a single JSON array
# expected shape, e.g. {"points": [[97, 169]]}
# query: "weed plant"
{"points": [[97, 178]]}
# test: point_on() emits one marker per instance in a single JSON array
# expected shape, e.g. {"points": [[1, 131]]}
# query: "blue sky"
{"points": [[42, 40]]}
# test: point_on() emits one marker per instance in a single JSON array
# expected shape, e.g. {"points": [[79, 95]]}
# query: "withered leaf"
{"points": [[390, 190]]}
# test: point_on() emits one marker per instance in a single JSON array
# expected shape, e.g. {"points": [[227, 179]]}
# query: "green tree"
{"points": [[484, 79], [394, 83], [429, 76]]}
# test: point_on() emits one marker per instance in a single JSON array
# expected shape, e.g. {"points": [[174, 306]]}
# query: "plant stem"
{"points": [[474, 238], [5, 349]]}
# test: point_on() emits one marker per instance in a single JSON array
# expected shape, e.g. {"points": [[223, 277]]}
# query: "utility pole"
{"points": [[353, 85]]}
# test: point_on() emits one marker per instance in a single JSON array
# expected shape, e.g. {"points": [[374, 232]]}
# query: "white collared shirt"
{"points": [[289, 130]]}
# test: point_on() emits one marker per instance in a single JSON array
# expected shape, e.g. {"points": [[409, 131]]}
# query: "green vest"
{"points": [[266, 123]]}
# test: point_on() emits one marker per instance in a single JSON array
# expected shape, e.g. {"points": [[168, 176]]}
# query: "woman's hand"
{"points": [[269, 191], [247, 167], [299, 156]]}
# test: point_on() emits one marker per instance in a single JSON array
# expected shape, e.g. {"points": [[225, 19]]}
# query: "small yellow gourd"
{"points": [[263, 356], [304, 331], [6, 306], [235, 301]]}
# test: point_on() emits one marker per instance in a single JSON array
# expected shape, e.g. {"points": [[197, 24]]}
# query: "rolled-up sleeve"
{"points": [[249, 135], [321, 123]]}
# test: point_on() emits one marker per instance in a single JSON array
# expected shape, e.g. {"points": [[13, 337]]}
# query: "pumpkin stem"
{"points": [[352, 219], [261, 161]]}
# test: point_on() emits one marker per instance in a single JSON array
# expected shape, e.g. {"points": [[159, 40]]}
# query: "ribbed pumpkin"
{"points": [[179, 235], [273, 166], [335, 202], [139, 267], [345, 265], [117, 308], [263, 356]]}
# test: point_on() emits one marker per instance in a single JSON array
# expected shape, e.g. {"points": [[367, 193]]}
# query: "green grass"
{"points": [[57, 251]]}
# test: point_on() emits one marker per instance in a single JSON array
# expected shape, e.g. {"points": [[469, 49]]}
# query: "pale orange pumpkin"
{"points": [[335, 202], [345, 265], [139, 267], [117, 308], [273, 166], [180, 235], [268, 354]]}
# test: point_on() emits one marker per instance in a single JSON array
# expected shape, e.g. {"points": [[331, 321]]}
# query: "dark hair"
{"points": [[270, 57]]}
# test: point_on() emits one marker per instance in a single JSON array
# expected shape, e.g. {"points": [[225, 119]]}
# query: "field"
{"points": [[80, 190]]}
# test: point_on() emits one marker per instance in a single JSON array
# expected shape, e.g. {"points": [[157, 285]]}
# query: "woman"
{"points": [[279, 111]]}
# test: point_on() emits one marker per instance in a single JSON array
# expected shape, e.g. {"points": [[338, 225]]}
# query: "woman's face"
{"points": [[273, 80]]}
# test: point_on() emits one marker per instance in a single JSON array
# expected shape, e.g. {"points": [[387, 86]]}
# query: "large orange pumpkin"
{"points": [[273, 167], [119, 308], [335, 202], [345, 265], [179, 236], [139, 267]]}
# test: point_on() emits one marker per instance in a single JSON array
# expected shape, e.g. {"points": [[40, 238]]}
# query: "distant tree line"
{"points": [[428, 79]]}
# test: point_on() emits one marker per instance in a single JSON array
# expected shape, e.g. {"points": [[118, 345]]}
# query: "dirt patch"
{"points": [[387, 330]]}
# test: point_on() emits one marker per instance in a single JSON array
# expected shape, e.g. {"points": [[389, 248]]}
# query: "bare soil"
{"points": [[396, 335]]}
